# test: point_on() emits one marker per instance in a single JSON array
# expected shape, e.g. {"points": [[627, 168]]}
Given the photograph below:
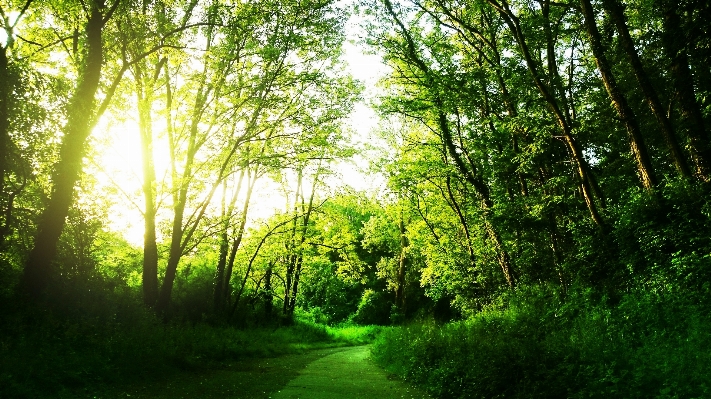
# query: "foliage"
{"points": [[543, 346]]}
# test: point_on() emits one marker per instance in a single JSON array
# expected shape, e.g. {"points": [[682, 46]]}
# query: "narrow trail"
{"points": [[348, 373], [333, 373]]}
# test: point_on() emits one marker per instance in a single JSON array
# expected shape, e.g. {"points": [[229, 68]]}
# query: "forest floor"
{"points": [[322, 373]]}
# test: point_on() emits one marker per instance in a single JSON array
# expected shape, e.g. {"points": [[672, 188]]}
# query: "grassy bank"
{"points": [[643, 346]]}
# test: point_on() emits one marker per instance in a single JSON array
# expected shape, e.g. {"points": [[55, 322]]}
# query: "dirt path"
{"points": [[323, 373], [346, 374]]}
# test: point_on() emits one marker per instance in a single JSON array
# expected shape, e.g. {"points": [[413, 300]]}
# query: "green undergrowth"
{"points": [[354, 334], [56, 354], [644, 346]]}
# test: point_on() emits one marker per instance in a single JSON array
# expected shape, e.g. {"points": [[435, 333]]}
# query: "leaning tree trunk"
{"points": [[562, 119], [298, 255], [470, 175], [176, 240], [227, 211], [237, 241], [460, 215], [80, 121], [637, 145], [672, 39], [616, 13], [291, 249]]}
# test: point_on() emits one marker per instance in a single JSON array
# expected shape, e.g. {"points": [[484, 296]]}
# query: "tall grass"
{"points": [[645, 346]]}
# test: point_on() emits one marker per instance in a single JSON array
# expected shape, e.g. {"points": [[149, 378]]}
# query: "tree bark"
{"points": [[306, 209], [469, 173], [672, 39], [462, 220], [581, 165], [637, 145], [5, 98], [144, 96], [80, 120], [227, 211], [176, 240], [291, 249], [224, 248], [238, 239], [616, 13]]}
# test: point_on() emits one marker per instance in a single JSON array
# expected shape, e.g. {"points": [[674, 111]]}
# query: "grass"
{"points": [[352, 334], [67, 353]]}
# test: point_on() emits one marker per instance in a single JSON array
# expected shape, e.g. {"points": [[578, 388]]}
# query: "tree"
{"points": [[277, 82], [82, 114]]}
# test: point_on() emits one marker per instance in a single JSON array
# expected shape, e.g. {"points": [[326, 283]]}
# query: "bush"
{"points": [[374, 308], [645, 346]]}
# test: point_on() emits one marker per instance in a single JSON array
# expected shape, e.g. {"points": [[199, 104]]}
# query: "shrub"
{"points": [[544, 347]]}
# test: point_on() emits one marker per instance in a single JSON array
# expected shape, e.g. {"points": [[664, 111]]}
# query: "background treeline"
{"points": [[553, 167]]}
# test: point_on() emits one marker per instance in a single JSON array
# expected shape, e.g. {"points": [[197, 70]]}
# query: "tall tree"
{"points": [[617, 15], [271, 79], [82, 115], [673, 36], [619, 101]]}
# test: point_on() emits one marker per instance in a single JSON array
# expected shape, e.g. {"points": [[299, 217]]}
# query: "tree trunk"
{"points": [[80, 121], [238, 239], [176, 239], [402, 267], [218, 293], [616, 13], [298, 264], [5, 97], [227, 211], [298, 257], [144, 94], [482, 190], [174, 255], [291, 248], [637, 145], [462, 220], [581, 165], [673, 40], [268, 296], [251, 262]]}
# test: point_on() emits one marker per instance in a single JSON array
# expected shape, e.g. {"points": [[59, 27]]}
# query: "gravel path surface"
{"points": [[348, 373]]}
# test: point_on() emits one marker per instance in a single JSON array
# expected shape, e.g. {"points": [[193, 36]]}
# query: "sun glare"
{"points": [[117, 167], [118, 174], [117, 161]]}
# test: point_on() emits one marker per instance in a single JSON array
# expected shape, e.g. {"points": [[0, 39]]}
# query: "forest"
{"points": [[173, 195]]}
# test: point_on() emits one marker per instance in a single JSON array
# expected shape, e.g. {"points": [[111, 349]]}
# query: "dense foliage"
{"points": [[561, 207], [541, 346]]}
